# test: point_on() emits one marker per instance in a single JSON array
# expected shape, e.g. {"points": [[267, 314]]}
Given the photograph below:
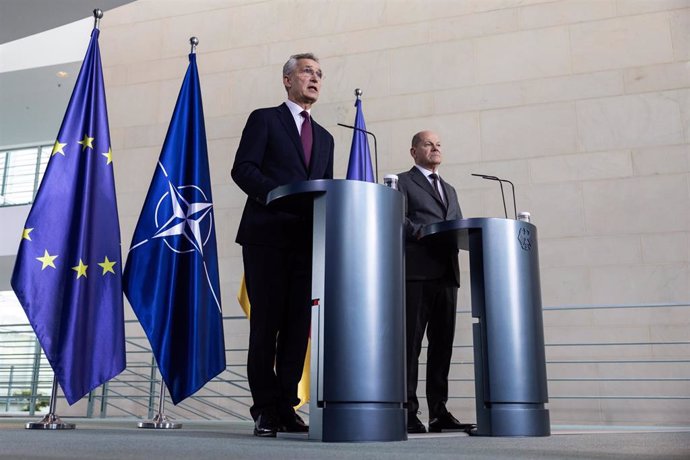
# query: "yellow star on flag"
{"points": [[47, 260], [25, 234], [86, 142], [108, 155], [80, 269], [107, 266], [57, 148]]}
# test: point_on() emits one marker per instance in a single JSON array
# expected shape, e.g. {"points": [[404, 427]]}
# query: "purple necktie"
{"points": [[306, 135]]}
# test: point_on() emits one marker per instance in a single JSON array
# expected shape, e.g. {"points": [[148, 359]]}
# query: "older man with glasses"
{"points": [[280, 145]]}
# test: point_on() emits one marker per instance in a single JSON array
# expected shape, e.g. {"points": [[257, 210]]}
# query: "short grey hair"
{"points": [[417, 138], [291, 63]]}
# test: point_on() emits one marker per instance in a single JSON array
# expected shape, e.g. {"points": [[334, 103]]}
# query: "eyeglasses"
{"points": [[312, 73]]}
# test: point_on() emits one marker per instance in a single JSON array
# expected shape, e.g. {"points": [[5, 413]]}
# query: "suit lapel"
{"points": [[449, 201], [423, 182], [288, 122]]}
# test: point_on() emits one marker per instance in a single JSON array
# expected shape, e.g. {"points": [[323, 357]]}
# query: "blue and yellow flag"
{"points": [[359, 166], [68, 270], [171, 277]]}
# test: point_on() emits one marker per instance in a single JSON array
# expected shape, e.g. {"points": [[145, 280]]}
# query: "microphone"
{"points": [[500, 181], [376, 154]]}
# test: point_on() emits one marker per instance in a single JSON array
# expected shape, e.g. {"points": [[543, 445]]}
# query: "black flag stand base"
{"points": [[51, 421], [160, 421]]}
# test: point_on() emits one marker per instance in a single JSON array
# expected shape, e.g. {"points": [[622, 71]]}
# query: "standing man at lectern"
{"points": [[280, 145], [432, 280]]}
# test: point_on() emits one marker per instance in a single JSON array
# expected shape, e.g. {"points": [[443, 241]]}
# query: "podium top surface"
{"points": [[321, 186], [307, 186], [455, 232], [470, 223]]}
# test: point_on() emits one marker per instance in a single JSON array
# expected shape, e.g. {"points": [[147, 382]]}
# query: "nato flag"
{"points": [[68, 270], [171, 276], [359, 166]]}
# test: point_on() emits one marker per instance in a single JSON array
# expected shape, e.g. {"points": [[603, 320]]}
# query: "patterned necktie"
{"points": [[306, 136], [436, 184]]}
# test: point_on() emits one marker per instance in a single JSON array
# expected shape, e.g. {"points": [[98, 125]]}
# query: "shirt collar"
{"points": [[426, 172], [295, 109]]}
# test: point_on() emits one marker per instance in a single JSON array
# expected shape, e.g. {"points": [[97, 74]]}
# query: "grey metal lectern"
{"points": [[509, 359], [358, 317]]}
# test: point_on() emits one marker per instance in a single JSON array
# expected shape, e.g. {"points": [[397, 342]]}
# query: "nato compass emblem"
{"points": [[184, 221], [525, 239], [188, 219]]}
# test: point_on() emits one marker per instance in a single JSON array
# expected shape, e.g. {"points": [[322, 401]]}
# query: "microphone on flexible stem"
{"points": [[500, 181], [376, 154]]}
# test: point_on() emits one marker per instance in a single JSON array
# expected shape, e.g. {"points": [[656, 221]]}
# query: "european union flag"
{"points": [[68, 270], [171, 276], [359, 166]]}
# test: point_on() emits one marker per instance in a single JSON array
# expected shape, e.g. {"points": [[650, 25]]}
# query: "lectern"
{"points": [[509, 358], [358, 314]]}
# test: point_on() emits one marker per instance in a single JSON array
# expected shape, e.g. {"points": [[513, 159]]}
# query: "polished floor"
{"points": [[121, 439]]}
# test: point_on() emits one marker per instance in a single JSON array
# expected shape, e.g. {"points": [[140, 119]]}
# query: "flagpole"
{"points": [[193, 41], [65, 324], [51, 421], [97, 15], [358, 94], [160, 421], [182, 178]]}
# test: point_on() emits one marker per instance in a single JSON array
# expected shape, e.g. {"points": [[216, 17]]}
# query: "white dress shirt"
{"points": [[296, 111], [426, 173]]}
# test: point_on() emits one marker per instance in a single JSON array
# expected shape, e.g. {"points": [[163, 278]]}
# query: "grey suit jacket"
{"points": [[423, 207]]}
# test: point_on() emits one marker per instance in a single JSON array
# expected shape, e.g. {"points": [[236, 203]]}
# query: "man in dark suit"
{"points": [[280, 145], [432, 280]]}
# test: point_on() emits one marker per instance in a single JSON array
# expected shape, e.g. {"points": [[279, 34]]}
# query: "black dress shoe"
{"points": [[446, 422], [267, 425], [414, 425], [293, 423]]}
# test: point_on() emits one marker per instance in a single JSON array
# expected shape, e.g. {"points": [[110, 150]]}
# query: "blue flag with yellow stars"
{"points": [[68, 270], [359, 165], [171, 277]]}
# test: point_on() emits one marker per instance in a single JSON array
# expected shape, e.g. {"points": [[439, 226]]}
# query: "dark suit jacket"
{"points": [[425, 261], [271, 154]]}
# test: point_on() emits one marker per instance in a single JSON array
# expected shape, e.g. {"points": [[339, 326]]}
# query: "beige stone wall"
{"points": [[583, 104]]}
